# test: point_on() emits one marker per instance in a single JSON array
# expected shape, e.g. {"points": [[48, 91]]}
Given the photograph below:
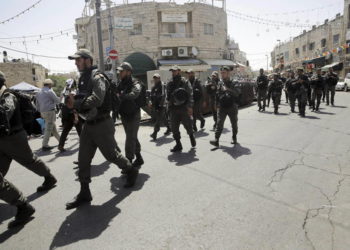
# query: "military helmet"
{"points": [[180, 96]]}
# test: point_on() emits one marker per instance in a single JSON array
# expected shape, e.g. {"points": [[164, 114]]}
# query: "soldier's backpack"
{"points": [[25, 105]]}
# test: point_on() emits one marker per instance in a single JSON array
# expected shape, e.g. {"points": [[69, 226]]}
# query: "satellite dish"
{"points": [[194, 51]]}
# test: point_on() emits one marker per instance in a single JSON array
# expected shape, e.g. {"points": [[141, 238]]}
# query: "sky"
{"points": [[54, 16]]}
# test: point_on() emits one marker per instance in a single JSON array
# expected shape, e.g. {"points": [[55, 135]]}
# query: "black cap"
{"points": [[81, 53], [125, 66], [226, 68]]}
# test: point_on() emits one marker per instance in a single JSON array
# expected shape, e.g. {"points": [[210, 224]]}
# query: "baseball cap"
{"points": [[156, 75], [215, 73], [175, 67], [125, 66], [48, 81], [227, 68], [84, 53]]}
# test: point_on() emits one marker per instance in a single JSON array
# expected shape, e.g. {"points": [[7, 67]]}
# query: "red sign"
{"points": [[113, 54]]}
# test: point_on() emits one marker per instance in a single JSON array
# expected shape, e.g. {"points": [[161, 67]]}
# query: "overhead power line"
{"points": [[21, 13], [32, 54], [39, 35]]}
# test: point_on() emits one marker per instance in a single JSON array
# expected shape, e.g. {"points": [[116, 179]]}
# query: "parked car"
{"points": [[342, 85]]}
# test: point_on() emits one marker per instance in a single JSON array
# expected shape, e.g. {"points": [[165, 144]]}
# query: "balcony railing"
{"points": [[176, 35]]}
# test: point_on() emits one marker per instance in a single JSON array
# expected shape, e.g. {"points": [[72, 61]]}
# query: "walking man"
{"points": [[211, 88], [180, 101], [46, 101], [228, 98], [262, 83], [331, 81], [158, 95], [93, 103], [197, 99]]}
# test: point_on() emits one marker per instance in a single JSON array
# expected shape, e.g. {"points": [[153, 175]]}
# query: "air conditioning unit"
{"points": [[182, 51], [167, 52]]}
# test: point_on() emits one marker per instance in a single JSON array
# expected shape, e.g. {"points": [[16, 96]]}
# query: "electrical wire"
{"points": [[21, 13], [32, 54]]}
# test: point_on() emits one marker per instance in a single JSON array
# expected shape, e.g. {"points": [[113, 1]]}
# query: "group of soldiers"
{"points": [[304, 88], [179, 101]]}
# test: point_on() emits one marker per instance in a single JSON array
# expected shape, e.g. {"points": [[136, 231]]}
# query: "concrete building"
{"points": [[157, 35], [326, 45], [23, 71]]}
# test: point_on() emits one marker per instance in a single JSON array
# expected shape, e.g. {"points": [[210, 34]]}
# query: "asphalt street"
{"points": [[286, 185]]}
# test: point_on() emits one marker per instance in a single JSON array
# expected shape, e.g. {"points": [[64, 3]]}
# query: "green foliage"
{"points": [[59, 83]]}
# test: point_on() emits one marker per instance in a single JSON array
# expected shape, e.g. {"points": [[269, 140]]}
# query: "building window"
{"points": [[311, 46], [137, 30], [297, 51], [286, 55], [323, 42], [208, 29], [336, 39], [304, 48]]}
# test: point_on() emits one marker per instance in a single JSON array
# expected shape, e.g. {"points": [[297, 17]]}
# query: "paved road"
{"points": [[285, 186]]}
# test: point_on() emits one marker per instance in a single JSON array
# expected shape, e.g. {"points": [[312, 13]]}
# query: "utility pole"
{"points": [[111, 37], [99, 36], [267, 63]]}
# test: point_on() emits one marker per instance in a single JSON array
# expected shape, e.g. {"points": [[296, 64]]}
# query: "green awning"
{"points": [[141, 63]]}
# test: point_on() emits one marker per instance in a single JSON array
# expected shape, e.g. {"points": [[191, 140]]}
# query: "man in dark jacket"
{"points": [[197, 99], [262, 84], [275, 89], [14, 146], [158, 95], [228, 96], [211, 88], [93, 103], [317, 86], [129, 90], [180, 101], [292, 90], [331, 81]]}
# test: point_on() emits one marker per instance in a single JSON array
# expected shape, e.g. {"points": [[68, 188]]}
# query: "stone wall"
{"points": [[151, 42], [23, 71]]}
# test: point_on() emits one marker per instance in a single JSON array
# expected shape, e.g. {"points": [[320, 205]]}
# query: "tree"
{"points": [[59, 83]]}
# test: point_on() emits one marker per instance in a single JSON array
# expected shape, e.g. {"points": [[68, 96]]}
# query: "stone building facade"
{"points": [[323, 45], [17, 72], [167, 33]]}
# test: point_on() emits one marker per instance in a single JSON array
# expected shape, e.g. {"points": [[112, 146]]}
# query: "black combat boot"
{"points": [[234, 139], [139, 160], [202, 123], [124, 170], [49, 183], [178, 147], [276, 111], [168, 131], [83, 197], [154, 136], [131, 175], [193, 141], [215, 142], [24, 213]]}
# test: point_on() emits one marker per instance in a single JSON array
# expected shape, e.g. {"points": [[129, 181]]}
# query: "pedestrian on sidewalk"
{"points": [[46, 101]]}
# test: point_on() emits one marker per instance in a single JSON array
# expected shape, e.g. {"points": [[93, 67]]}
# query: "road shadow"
{"points": [[36, 195], [325, 113], [338, 106], [201, 133], [266, 112], [311, 117], [281, 114], [97, 170], [236, 151], [163, 140], [225, 131], [89, 222], [182, 159]]}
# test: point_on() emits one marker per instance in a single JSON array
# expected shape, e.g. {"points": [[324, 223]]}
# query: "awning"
{"points": [[23, 86], [319, 61], [219, 62], [241, 65], [335, 66], [186, 64], [179, 62]]}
